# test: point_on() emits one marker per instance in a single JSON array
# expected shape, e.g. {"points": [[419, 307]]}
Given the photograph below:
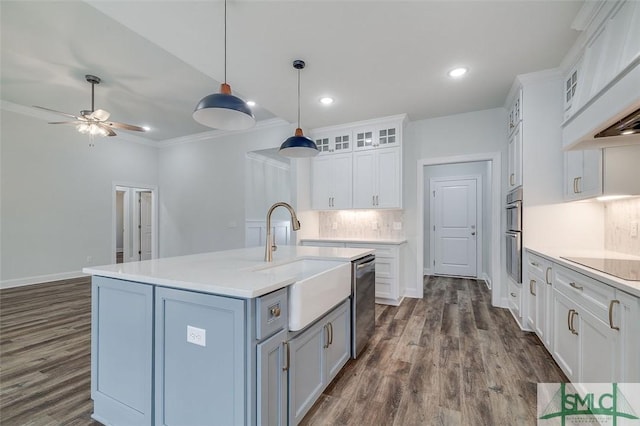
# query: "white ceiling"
{"points": [[376, 58]]}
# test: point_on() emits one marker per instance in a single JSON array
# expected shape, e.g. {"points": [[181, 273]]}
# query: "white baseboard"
{"points": [[426, 271], [486, 279], [19, 282], [414, 293]]}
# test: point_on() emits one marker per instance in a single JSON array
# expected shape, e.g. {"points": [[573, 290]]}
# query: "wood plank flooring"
{"points": [[447, 359]]}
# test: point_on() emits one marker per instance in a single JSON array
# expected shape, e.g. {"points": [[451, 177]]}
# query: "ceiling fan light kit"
{"points": [[223, 110], [298, 145], [93, 122]]}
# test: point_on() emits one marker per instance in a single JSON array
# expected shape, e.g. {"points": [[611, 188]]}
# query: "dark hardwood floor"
{"points": [[447, 359]]}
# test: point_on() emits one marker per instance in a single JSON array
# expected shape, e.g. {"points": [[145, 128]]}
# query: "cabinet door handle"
{"points": [[532, 284], [613, 327], [326, 335], [330, 333], [287, 356], [546, 275], [576, 286], [578, 179], [511, 179], [572, 314], [575, 185], [373, 200], [377, 202], [571, 311]]}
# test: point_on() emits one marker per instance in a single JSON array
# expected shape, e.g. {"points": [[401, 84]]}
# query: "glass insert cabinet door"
{"points": [[387, 136], [364, 139]]}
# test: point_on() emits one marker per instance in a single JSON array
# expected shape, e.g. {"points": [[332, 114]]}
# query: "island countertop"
{"points": [[232, 273]]}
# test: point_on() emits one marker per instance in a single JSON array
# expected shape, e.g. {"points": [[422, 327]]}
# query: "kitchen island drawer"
{"points": [[381, 250], [594, 295]]}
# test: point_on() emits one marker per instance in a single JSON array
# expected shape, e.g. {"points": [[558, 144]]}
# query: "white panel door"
{"points": [[455, 230]]}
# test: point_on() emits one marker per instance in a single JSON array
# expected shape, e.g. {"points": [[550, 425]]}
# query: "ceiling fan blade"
{"points": [[124, 126], [65, 122], [57, 112], [99, 114], [106, 127]]}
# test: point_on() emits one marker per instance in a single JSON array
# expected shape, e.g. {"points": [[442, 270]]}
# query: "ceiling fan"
{"points": [[94, 122]]}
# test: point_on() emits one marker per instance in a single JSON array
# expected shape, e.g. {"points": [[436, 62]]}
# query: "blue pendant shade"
{"points": [[298, 146], [224, 111]]}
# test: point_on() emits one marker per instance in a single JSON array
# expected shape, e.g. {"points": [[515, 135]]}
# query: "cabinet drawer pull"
{"points": [[576, 286], [513, 295], [287, 356], [536, 264], [532, 284], [613, 327], [546, 275], [373, 200]]}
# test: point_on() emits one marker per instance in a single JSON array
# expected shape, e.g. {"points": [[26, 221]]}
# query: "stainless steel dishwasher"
{"points": [[363, 302]]}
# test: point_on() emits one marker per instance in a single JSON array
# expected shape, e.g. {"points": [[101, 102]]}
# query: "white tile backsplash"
{"points": [[620, 216], [362, 224]]}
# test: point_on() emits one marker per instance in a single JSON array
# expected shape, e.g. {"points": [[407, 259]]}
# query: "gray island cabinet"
{"points": [[163, 355]]}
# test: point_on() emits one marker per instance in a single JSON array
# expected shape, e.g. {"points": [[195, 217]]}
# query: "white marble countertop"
{"points": [[392, 241], [229, 273], [556, 255]]}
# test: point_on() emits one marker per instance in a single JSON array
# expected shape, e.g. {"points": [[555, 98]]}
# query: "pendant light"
{"points": [[223, 110], [298, 145]]}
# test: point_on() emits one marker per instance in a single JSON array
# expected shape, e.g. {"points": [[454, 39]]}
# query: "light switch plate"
{"points": [[397, 226], [197, 336], [634, 229]]}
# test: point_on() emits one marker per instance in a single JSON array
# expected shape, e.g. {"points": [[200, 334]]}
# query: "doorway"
{"points": [[135, 223], [455, 237]]}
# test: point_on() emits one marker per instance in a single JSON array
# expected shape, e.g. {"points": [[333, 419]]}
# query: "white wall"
{"points": [[462, 134], [57, 197], [202, 190]]}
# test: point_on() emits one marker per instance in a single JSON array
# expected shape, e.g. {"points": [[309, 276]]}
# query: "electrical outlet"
{"points": [[634, 230], [197, 336], [397, 226], [89, 259]]}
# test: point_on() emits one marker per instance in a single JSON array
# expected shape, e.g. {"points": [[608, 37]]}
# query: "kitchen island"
{"points": [[207, 338]]}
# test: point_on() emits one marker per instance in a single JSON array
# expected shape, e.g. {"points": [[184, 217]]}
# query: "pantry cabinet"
{"points": [[376, 179], [316, 356], [515, 157], [332, 182]]}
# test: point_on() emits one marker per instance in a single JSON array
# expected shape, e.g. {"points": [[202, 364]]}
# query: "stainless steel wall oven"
{"points": [[513, 236]]}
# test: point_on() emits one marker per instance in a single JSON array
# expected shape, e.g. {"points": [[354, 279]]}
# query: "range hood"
{"points": [[611, 118]]}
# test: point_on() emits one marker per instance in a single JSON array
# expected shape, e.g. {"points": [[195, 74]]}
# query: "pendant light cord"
{"points": [[298, 98], [225, 41]]}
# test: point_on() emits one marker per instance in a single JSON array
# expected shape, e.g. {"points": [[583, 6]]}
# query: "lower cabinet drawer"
{"points": [[594, 295], [515, 291]]}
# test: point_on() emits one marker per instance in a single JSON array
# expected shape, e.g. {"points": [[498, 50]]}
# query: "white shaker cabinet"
{"points": [[583, 174], [332, 182], [515, 158], [376, 179]]}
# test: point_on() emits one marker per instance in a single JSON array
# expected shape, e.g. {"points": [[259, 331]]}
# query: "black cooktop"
{"points": [[627, 269]]}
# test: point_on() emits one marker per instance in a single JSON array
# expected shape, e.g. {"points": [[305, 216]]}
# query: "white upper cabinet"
{"points": [[366, 168], [374, 136], [336, 142], [332, 182], [571, 82], [376, 179], [583, 174]]}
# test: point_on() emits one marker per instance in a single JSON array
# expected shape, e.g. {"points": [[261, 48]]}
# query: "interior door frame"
{"points": [[135, 187], [479, 217], [494, 281]]}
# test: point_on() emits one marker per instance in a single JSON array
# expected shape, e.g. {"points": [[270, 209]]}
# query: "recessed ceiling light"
{"points": [[457, 72], [251, 103], [326, 100]]}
